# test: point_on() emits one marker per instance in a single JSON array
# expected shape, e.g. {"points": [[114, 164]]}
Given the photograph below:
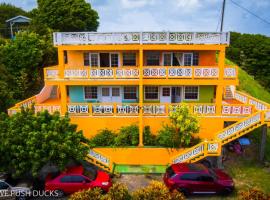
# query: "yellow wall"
{"points": [[207, 58], [91, 125], [75, 58]]}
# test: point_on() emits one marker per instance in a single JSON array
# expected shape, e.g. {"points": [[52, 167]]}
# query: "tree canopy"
{"points": [[29, 141], [66, 15]]}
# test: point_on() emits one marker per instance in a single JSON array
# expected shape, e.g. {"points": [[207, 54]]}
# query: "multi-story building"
{"points": [[110, 80]]}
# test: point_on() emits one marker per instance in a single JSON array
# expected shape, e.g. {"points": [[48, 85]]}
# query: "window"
{"points": [[130, 93], [167, 59], [94, 60], [114, 59], [187, 59], [86, 60], [115, 92], [191, 93], [190, 177], [90, 92], [195, 59], [170, 172], [129, 59], [152, 59], [151, 92], [77, 179], [105, 92], [65, 57], [65, 179], [206, 178], [3, 186], [166, 92]]}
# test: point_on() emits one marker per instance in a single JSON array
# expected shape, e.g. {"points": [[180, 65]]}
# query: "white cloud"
{"points": [[135, 3]]}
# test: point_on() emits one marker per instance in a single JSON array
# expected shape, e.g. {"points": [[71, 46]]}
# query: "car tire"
{"points": [[184, 191], [59, 193], [226, 191]]}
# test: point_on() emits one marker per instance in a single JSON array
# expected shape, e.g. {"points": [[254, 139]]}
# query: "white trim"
{"points": [[90, 54], [130, 86], [183, 59], [158, 99], [87, 99], [163, 53], [110, 59], [198, 96]]}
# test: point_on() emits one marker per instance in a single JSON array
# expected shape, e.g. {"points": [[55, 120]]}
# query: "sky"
{"points": [[175, 15]]}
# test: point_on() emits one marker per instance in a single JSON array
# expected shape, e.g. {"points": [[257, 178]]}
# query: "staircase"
{"points": [[229, 92], [208, 147]]}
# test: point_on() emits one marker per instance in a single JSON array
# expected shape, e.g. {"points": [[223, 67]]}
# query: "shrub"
{"points": [[91, 194], [166, 137], [128, 136], [118, 191], [253, 194], [148, 138], [104, 138], [156, 191]]}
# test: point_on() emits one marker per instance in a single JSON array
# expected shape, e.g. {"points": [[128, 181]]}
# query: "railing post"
{"points": [[141, 98], [61, 62], [63, 90]]}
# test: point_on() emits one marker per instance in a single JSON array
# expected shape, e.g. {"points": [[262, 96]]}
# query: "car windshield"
{"points": [[90, 173], [170, 171], [212, 173]]}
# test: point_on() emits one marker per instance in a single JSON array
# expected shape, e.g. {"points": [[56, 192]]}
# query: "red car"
{"points": [[76, 179], [197, 179]]}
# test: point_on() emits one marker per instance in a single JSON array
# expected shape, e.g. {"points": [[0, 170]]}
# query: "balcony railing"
{"points": [[86, 38], [162, 72]]}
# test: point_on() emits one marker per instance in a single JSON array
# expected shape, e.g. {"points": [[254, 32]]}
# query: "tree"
{"points": [[184, 124], [8, 11], [65, 15], [29, 141]]}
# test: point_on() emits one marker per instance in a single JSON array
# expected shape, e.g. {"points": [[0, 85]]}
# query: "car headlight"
{"points": [[105, 183]]}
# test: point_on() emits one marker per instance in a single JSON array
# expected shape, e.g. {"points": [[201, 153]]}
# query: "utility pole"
{"points": [[223, 13]]}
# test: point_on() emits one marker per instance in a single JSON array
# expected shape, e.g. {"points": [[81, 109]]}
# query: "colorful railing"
{"points": [[165, 72], [85, 38], [100, 160], [27, 103]]}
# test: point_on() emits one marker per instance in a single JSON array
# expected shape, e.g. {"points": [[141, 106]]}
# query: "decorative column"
{"points": [[63, 90], [141, 98], [61, 62], [220, 86]]}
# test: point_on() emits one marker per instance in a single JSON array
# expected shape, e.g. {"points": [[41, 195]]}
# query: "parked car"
{"points": [[197, 179], [77, 178], [8, 192]]}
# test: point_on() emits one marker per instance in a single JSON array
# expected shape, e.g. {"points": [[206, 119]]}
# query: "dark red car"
{"points": [[76, 179], [197, 179]]}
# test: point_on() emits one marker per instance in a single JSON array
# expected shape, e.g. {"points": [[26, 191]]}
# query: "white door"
{"points": [[116, 94], [166, 94], [106, 94]]}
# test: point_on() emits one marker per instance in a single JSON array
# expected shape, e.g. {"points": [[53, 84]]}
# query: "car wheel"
{"points": [[59, 193], [183, 191], [226, 191]]}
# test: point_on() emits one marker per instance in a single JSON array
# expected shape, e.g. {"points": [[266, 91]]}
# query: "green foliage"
{"points": [[252, 53], [65, 15], [166, 137], [148, 138], [90, 194], [156, 191], [128, 136], [253, 194], [29, 141], [104, 138]]}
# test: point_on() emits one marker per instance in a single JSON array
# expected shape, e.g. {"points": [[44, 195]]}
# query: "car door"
{"points": [[5, 191], [207, 183], [190, 182], [78, 183]]}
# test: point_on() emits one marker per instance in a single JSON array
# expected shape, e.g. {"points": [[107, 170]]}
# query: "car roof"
{"points": [[188, 167], [74, 170]]}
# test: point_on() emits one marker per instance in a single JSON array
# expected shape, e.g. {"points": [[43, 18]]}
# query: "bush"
{"points": [[104, 138], [128, 136], [91, 194], [156, 191], [166, 137], [148, 138], [253, 194]]}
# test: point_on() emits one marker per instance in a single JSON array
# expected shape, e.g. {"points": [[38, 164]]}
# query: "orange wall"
{"points": [[207, 58]]}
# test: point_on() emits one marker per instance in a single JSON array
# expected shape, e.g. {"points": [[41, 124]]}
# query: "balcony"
{"points": [[87, 38], [156, 72]]}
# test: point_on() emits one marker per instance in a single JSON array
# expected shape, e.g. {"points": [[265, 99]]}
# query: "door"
{"points": [[176, 94], [116, 94], [105, 94], [104, 59], [165, 94]]}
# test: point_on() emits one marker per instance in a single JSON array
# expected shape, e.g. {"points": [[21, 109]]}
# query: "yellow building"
{"points": [[110, 80]]}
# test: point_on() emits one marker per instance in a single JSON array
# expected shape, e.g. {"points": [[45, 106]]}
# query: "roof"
{"points": [[19, 19]]}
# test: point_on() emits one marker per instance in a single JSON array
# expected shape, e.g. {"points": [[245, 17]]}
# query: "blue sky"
{"points": [[181, 15]]}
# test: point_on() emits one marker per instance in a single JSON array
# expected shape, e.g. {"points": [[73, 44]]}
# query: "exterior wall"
{"points": [[207, 58], [91, 125], [206, 94], [75, 58]]}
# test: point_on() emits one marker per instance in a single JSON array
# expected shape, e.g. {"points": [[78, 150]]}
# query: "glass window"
{"points": [[77, 179], [65, 57], [151, 92], [115, 92], [86, 60], [187, 59], [192, 93], [195, 59], [129, 59], [206, 178], [166, 92], [105, 92], [170, 171], [190, 177], [66, 179], [152, 58], [130, 93], [3, 186], [94, 60], [90, 92], [167, 59], [114, 60]]}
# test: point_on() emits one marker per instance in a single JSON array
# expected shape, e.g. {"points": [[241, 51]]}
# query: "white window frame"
{"points": [[98, 57], [144, 93], [90, 98], [163, 55], [183, 59], [184, 92], [110, 56]]}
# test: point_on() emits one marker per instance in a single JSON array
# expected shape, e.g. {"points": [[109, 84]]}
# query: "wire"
{"points": [[250, 12]]}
